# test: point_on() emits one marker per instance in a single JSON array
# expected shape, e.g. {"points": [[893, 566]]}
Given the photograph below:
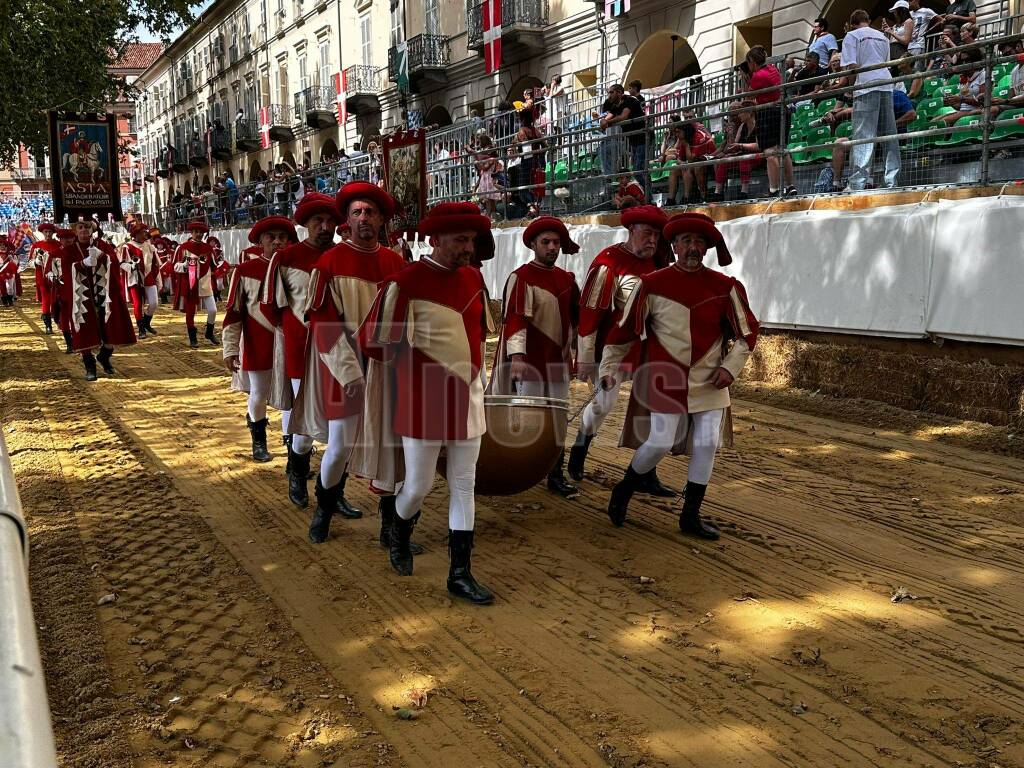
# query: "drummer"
{"points": [[541, 307], [698, 331], [431, 320]]}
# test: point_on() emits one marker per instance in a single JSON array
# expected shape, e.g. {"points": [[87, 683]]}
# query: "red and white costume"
{"points": [[684, 322], [10, 279], [88, 280], [541, 307], [612, 276], [141, 264], [192, 271], [431, 322], [40, 255]]}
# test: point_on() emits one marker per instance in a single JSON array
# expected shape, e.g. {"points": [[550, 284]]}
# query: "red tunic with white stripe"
{"points": [[285, 297], [432, 322], [41, 255], [343, 285], [686, 320], [193, 271], [540, 313], [246, 328], [92, 298], [10, 279], [612, 276]]}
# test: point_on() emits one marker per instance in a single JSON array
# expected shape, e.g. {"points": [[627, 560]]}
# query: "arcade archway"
{"points": [[662, 58], [328, 151], [437, 115]]}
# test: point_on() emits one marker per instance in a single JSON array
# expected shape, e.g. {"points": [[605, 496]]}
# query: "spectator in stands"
{"points": [[618, 109], [244, 206], [973, 85], [259, 197], [950, 38], [823, 42], [903, 109], [961, 12], [772, 122], [211, 202], [740, 138], [542, 122], [669, 153], [488, 187], [913, 86], [873, 114], [695, 144], [1016, 96], [558, 102], [902, 34], [968, 34], [836, 81], [811, 68], [531, 146], [924, 18]]}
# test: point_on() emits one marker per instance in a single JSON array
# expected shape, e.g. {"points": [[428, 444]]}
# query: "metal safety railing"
{"points": [[26, 733]]}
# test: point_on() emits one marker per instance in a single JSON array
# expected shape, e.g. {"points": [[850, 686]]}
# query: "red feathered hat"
{"points": [[312, 204], [644, 214], [699, 224], [47, 226], [197, 226], [445, 218], [269, 224], [550, 224], [364, 190]]}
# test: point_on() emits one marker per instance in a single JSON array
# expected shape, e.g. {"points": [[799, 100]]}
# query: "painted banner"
{"points": [[83, 166], [492, 35], [341, 89], [405, 177]]}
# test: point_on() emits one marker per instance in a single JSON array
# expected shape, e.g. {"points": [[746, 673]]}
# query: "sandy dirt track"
{"points": [[234, 642]]}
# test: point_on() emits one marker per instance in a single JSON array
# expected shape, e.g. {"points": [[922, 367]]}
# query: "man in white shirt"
{"points": [[923, 17], [873, 113]]}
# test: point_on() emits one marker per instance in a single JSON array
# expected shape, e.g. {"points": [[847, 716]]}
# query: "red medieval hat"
{"points": [[699, 224], [269, 224], [63, 233], [47, 226], [312, 204], [550, 224], [445, 218], [364, 190], [197, 226], [644, 214], [154, 232]]}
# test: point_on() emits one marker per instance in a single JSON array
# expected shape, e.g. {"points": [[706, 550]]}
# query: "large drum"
{"points": [[524, 439]]}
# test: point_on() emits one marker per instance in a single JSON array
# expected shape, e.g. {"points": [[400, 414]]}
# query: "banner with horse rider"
{"points": [[83, 165]]}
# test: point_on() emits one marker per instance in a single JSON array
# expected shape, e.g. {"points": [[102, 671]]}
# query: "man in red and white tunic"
{"points": [[165, 248], [10, 279], [88, 279], [285, 297], [220, 279], [193, 270], [686, 316], [431, 320], [541, 307], [51, 269], [330, 401], [613, 275], [41, 253], [141, 264], [248, 336]]}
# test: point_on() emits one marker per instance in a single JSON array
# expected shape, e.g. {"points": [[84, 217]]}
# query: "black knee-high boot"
{"points": [[209, 334], [460, 578], [141, 325], [47, 324], [103, 357], [386, 507], [89, 361], [558, 483], [345, 509], [326, 503], [67, 342], [398, 547], [149, 324], [193, 338], [618, 505], [689, 519], [578, 455], [298, 477], [258, 432]]}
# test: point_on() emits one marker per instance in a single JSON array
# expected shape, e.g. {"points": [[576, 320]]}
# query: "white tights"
{"points": [[420, 466], [599, 408], [300, 443], [151, 300], [707, 427], [341, 439], [259, 391]]}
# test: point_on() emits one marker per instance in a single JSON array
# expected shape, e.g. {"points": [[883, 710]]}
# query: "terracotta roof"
{"points": [[138, 56]]}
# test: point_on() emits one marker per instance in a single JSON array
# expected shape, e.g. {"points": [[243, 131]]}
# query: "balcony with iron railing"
{"points": [[247, 135], [282, 122], [363, 86], [429, 58], [220, 143], [317, 105], [197, 153], [522, 26], [29, 174]]}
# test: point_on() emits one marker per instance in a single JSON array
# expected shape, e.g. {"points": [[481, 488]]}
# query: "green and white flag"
{"points": [[402, 67]]}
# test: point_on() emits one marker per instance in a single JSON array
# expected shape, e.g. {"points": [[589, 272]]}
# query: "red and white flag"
{"points": [[492, 35], [341, 88], [265, 127]]}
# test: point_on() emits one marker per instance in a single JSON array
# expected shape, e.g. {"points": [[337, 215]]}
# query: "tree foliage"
{"points": [[57, 52]]}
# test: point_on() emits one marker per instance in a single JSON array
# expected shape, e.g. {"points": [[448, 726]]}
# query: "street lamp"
{"points": [[672, 76]]}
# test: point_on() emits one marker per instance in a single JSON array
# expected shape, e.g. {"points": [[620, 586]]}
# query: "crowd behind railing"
{"points": [[952, 113]]}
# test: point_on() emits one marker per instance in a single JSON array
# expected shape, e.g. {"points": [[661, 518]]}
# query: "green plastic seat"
{"points": [[954, 80], [930, 106], [949, 90], [1003, 92], [804, 113], [919, 123], [656, 171], [999, 71], [932, 85], [718, 138], [1009, 131], [820, 135], [963, 137], [844, 130], [826, 106], [1003, 82], [561, 171]]}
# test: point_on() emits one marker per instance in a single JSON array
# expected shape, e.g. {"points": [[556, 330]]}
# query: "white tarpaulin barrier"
{"points": [[950, 269]]}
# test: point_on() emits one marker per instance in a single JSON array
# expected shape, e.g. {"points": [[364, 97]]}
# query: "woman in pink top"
{"points": [[772, 123]]}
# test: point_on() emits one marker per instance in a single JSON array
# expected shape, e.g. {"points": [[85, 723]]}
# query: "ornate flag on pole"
{"points": [[265, 127], [341, 89], [405, 177], [83, 165], [614, 8], [402, 66], [492, 35]]}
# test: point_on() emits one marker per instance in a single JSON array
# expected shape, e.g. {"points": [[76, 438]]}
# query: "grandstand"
{"points": [[30, 207]]}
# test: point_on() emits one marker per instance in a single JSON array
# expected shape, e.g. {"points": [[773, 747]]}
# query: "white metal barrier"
{"points": [[26, 734]]}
